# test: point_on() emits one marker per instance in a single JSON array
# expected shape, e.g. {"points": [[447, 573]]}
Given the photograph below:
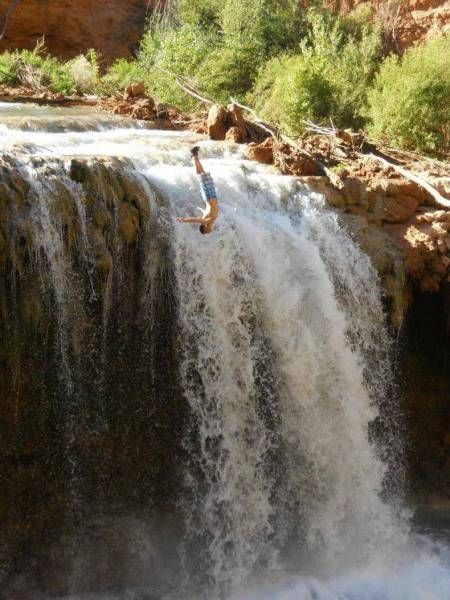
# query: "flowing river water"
{"points": [[292, 476]]}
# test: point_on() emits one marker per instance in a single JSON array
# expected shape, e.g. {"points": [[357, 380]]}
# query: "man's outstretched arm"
{"points": [[190, 219]]}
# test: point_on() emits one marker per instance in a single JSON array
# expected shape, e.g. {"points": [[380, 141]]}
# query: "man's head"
{"points": [[205, 228]]}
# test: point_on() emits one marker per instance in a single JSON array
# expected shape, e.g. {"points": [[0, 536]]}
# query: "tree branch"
{"points": [[184, 84], [278, 136]]}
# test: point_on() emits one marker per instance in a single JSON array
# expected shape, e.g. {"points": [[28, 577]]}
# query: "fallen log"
{"points": [[281, 137]]}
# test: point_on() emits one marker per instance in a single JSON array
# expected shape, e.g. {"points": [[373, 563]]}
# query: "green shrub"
{"points": [[166, 53], [266, 26], [84, 70], [9, 68], [227, 72], [204, 14], [290, 89], [219, 45], [409, 104], [36, 70], [327, 78], [119, 75]]}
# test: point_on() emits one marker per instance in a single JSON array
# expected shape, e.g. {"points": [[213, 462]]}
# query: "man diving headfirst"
{"points": [[211, 212]]}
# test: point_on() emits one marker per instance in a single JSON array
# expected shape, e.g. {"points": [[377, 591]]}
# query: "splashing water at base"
{"points": [[284, 362]]}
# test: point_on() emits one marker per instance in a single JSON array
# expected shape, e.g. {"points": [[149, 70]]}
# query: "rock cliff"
{"points": [[406, 21], [112, 27]]}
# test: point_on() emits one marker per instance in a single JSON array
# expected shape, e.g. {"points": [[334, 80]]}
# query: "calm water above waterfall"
{"points": [[217, 413]]}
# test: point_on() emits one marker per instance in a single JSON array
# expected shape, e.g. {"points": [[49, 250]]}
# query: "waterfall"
{"points": [[254, 361], [273, 379]]}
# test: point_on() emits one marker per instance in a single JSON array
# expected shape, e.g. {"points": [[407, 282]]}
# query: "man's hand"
{"points": [[181, 219]]}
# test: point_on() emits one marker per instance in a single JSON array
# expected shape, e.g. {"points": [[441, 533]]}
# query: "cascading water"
{"points": [[281, 357]]}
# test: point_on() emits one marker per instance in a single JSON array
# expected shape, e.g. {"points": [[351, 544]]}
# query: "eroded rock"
{"points": [[237, 122], [217, 122], [263, 153], [133, 90], [398, 209]]}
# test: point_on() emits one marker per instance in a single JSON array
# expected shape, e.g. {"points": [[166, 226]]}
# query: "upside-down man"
{"points": [[211, 212]]}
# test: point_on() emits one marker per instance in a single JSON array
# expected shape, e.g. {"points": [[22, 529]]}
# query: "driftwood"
{"points": [[189, 90], [342, 136], [372, 153], [5, 19], [278, 136], [275, 134], [186, 86]]}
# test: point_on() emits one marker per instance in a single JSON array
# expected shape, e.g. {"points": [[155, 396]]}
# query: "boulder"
{"points": [[236, 118], [234, 135], [217, 122], [134, 90], [398, 209], [262, 153]]}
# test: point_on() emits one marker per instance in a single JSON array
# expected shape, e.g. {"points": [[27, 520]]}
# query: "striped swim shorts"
{"points": [[207, 187]]}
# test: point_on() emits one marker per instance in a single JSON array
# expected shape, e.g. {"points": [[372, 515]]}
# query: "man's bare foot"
{"points": [[195, 150]]}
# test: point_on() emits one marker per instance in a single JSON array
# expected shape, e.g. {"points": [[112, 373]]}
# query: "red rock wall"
{"points": [[407, 21], [113, 27]]}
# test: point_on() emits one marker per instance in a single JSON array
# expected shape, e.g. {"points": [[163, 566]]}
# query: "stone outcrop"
{"points": [[112, 27], [227, 123], [406, 22], [405, 214]]}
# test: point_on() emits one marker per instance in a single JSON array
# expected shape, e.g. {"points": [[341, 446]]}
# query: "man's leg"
{"points": [[197, 164]]}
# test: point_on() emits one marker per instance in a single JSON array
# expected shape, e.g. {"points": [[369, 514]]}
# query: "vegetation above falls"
{"points": [[288, 63]]}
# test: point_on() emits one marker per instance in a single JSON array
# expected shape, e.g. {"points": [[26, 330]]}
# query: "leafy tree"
{"points": [[327, 77], [204, 14], [409, 104], [171, 52]]}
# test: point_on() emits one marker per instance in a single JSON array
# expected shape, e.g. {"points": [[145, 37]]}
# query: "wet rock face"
{"points": [[424, 363], [90, 416]]}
